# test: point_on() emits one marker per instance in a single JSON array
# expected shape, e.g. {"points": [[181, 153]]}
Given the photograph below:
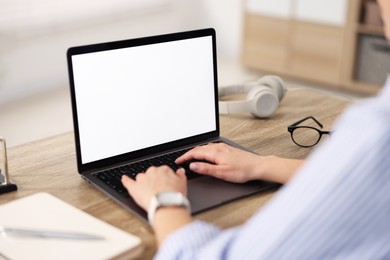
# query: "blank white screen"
{"points": [[133, 98]]}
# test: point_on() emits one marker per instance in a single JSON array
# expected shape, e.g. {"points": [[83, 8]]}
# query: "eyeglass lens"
{"points": [[305, 136]]}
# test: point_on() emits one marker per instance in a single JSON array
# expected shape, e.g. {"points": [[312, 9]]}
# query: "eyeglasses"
{"points": [[306, 136]]}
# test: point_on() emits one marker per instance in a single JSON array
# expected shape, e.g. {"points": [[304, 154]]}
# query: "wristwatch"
{"points": [[167, 199]]}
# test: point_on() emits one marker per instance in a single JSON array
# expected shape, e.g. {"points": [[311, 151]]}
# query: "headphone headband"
{"points": [[235, 89], [262, 99]]}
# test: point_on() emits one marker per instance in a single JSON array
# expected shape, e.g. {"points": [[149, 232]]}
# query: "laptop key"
{"points": [[112, 177]]}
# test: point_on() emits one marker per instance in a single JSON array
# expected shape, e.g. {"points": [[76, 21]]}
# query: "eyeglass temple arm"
{"points": [[306, 118]]}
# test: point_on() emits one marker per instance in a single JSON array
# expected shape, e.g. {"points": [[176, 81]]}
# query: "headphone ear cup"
{"points": [[275, 83], [262, 101]]}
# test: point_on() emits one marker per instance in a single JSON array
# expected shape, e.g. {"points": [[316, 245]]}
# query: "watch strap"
{"points": [[167, 199]]}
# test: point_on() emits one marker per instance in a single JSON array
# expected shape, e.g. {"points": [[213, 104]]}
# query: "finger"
{"points": [[151, 169], [139, 176], [127, 182], [189, 155], [205, 153], [217, 171], [181, 173], [205, 168], [166, 169]]}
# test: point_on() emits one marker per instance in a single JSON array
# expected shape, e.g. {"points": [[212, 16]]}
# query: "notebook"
{"points": [[42, 211], [136, 99]]}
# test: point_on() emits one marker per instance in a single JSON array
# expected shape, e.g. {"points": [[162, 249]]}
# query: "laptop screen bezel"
{"points": [[135, 155]]}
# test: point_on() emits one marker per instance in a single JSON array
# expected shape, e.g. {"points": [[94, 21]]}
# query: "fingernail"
{"points": [[193, 166]]}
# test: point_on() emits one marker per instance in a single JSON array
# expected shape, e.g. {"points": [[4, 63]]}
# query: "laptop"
{"points": [[143, 101]]}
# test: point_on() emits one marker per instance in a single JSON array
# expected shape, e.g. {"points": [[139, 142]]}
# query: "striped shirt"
{"points": [[336, 207]]}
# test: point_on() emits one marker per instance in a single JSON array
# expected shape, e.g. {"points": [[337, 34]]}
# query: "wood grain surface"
{"points": [[49, 165]]}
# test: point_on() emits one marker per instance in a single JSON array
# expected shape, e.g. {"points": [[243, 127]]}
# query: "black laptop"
{"points": [[146, 101]]}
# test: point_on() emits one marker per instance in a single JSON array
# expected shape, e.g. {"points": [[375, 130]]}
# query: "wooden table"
{"points": [[49, 165]]}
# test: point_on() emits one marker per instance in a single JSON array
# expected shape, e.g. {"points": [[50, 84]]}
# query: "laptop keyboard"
{"points": [[112, 177]]}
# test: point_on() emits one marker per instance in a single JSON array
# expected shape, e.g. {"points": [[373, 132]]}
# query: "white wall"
{"points": [[226, 17], [32, 62]]}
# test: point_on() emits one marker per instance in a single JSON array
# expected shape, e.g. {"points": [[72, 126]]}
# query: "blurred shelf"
{"points": [[370, 29], [339, 55]]}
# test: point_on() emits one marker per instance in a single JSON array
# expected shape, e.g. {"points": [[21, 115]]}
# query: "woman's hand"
{"points": [[154, 180], [224, 162], [235, 165]]}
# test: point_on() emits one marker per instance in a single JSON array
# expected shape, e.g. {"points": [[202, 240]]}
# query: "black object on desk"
{"points": [[5, 184], [6, 187]]}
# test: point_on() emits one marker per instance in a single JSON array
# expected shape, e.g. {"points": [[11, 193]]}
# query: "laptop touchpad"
{"points": [[207, 192]]}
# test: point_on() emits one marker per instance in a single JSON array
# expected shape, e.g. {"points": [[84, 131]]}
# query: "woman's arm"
{"points": [[235, 165], [223, 161], [278, 169], [155, 180]]}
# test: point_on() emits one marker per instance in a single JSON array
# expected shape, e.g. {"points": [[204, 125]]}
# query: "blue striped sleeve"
{"points": [[185, 242], [336, 207]]}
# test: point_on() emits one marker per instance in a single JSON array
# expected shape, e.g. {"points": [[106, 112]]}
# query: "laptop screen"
{"points": [[132, 98]]}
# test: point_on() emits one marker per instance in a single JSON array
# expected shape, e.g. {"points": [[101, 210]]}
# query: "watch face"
{"points": [[167, 199], [170, 198]]}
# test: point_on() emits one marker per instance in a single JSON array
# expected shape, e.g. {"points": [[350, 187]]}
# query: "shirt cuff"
{"points": [[186, 240]]}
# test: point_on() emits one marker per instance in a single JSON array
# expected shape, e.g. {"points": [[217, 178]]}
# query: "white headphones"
{"points": [[262, 99]]}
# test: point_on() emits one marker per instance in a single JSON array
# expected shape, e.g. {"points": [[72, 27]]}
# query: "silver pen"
{"points": [[22, 232]]}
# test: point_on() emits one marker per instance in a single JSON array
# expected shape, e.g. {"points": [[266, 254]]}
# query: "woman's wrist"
{"points": [[277, 169], [166, 199], [169, 219]]}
